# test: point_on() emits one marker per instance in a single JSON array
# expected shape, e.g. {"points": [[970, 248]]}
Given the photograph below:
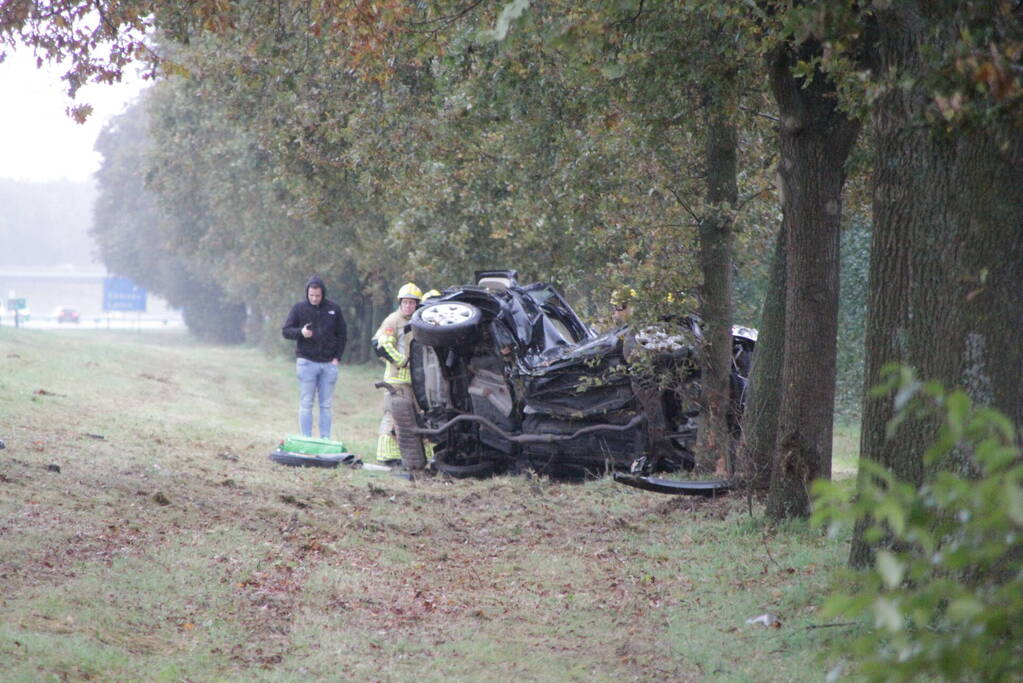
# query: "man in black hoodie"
{"points": [[320, 330]]}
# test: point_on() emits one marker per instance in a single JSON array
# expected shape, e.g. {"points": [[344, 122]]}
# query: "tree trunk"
{"points": [[760, 422], [716, 238], [357, 334], [370, 321], [947, 260], [815, 140]]}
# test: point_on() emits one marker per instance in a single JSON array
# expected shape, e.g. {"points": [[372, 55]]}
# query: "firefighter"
{"points": [[621, 305], [391, 342]]}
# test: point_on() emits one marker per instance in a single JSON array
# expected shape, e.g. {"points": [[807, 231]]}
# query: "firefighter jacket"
{"points": [[392, 343]]}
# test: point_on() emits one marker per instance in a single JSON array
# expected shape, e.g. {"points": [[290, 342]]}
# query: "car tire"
{"points": [[477, 470], [410, 445], [447, 323], [417, 371]]}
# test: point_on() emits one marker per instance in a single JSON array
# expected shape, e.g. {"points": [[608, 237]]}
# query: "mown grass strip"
{"points": [[172, 548]]}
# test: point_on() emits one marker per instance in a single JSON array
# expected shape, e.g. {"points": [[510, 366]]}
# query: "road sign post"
{"points": [[17, 305]]}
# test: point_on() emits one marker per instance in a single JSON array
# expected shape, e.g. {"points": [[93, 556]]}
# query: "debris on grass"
{"points": [[766, 620]]}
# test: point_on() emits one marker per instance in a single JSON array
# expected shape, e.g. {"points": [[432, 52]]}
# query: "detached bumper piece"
{"points": [[322, 460], [708, 488]]}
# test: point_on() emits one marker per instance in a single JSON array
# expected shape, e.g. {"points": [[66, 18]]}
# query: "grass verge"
{"points": [[169, 547]]}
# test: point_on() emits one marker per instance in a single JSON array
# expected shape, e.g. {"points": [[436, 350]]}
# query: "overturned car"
{"points": [[508, 377]]}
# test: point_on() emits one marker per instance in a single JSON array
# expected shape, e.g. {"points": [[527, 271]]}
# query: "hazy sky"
{"points": [[38, 140]]}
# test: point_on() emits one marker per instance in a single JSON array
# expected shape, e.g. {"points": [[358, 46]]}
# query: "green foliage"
{"points": [[970, 49], [135, 240], [254, 168], [945, 597], [571, 148], [272, 158]]}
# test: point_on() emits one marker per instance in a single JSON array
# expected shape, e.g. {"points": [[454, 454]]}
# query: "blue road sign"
{"points": [[121, 294]]}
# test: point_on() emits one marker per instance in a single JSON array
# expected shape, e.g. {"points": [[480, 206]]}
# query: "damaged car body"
{"points": [[508, 377]]}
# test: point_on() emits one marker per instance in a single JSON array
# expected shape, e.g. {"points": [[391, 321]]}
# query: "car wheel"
{"points": [[448, 323], [417, 370], [409, 444]]}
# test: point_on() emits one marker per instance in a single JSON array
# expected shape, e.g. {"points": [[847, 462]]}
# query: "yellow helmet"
{"points": [[429, 295], [410, 291], [623, 296]]}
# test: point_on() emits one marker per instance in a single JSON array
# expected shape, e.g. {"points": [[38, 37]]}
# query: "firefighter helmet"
{"points": [[410, 291], [623, 296]]}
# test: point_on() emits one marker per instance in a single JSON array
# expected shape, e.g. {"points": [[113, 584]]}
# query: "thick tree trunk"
{"points": [[947, 259], [716, 238], [815, 140], [760, 422]]}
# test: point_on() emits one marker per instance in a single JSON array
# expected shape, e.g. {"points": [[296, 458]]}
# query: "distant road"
{"points": [[49, 323]]}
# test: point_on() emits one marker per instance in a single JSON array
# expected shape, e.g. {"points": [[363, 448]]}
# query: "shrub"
{"points": [[945, 597]]}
